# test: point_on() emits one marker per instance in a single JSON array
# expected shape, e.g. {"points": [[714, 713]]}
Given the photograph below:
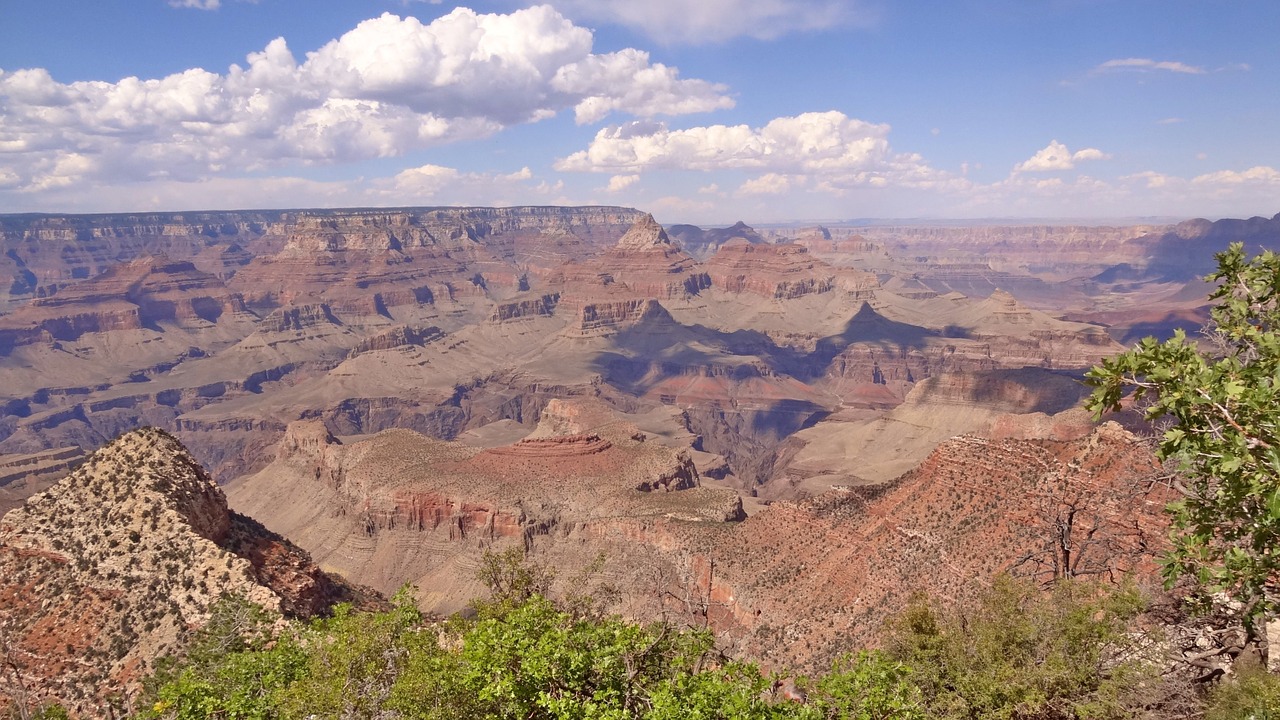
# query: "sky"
{"points": [[700, 111]]}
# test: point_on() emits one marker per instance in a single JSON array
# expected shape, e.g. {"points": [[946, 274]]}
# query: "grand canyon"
{"points": [[780, 433]]}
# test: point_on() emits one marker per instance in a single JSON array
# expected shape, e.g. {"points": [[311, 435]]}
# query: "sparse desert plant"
{"points": [[1021, 652], [1222, 397]]}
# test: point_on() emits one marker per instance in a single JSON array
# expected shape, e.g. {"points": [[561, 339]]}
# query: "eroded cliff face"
{"points": [[803, 581], [771, 271], [447, 320], [644, 263], [401, 507], [45, 252], [114, 566], [42, 251], [126, 297]]}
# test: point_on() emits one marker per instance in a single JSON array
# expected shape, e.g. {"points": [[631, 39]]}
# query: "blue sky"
{"points": [[708, 112]]}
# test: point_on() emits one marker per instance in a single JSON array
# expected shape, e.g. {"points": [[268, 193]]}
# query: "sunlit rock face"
{"points": [[114, 566]]}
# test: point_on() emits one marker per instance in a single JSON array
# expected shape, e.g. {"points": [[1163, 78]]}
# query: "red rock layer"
{"points": [[827, 572], [126, 297], [644, 263], [772, 271]]}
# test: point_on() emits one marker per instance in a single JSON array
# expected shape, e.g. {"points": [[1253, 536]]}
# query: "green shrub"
{"points": [[1022, 652]]}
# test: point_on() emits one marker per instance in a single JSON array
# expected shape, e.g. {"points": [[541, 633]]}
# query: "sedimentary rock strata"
{"points": [[825, 573], [401, 507]]}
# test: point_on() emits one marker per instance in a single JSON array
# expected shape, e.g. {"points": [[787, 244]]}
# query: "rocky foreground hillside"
{"points": [[794, 584], [112, 568]]}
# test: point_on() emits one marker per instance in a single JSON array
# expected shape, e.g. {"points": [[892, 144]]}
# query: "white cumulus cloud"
{"points": [[618, 183], [1260, 175], [389, 86], [837, 151], [1056, 156], [197, 4], [768, 184]]}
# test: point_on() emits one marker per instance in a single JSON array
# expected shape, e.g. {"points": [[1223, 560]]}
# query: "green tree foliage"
{"points": [[868, 686], [1020, 652], [353, 661], [1253, 694], [512, 579], [523, 657], [233, 668], [1222, 396]]}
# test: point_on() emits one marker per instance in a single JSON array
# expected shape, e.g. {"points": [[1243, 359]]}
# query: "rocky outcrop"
{"points": [[562, 446], [603, 318], [402, 336], [140, 293], [772, 271], [537, 307], [644, 263], [298, 317], [114, 566]]}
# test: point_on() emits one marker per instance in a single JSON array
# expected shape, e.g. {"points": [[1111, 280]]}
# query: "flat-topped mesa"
{"points": [[608, 317], [448, 229], [561, 446], [542, 306], [298, 317], [772, 271], [402, 336]]}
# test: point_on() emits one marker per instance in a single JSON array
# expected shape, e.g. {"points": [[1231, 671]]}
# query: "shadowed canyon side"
{"points": [[114, 566]]}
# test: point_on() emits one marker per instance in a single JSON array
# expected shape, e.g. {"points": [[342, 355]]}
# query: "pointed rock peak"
{"points": [[867, 314], [644, 235], [147, 467], [1003, 298], [743, 230]]}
